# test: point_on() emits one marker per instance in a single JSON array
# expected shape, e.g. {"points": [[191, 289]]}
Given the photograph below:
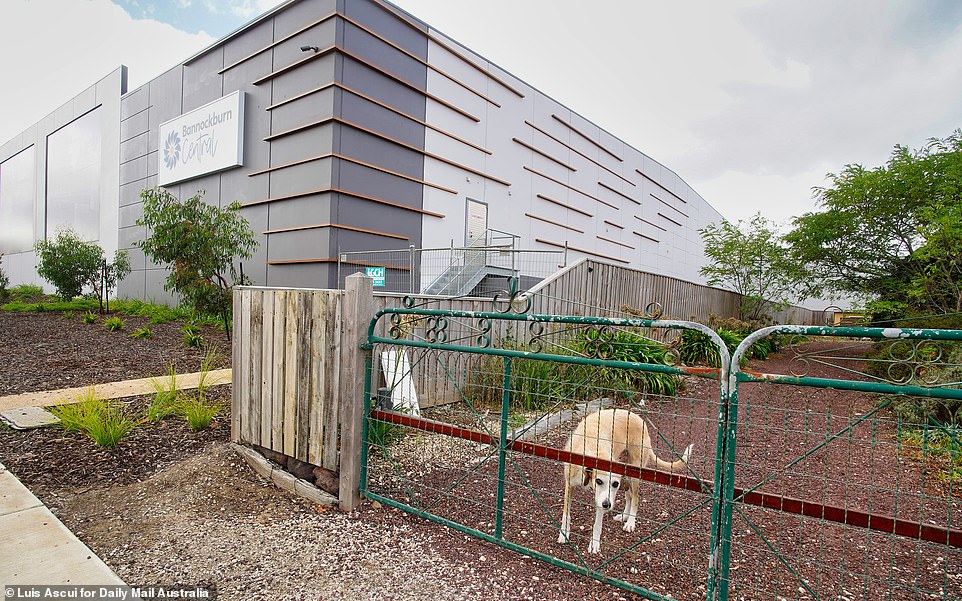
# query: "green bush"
{"points": [[538, 384], [201, 243], [144, 332], [192, 336], [114, 324], [4, 282], [71, 264], [89, 317], [164, 403]]}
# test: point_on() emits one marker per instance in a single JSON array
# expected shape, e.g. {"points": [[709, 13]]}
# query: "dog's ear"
{"points": [[624, 456], [588, 474]]}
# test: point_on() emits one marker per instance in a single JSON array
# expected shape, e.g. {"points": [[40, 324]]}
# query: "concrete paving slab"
{"points": [[36, 548], [114, 390], [14, 496], [28, 418]]}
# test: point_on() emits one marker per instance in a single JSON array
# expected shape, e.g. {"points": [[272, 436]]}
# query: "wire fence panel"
{"points": [[847, 461], [494, 462]]}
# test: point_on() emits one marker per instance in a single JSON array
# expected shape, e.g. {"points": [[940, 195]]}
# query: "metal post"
{"points": [[411, 289], [503, 446]]}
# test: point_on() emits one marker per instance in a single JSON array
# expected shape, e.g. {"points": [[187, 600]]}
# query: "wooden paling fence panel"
{"points": [[287, 366]]}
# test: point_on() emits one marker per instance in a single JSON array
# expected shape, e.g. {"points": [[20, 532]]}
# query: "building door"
{"points": [[477, 223]]}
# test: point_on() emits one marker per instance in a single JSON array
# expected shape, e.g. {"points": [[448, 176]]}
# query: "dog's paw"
{"points": [[687, 454], [620, 517], [629, 525], [594, 547], [562, 539]]}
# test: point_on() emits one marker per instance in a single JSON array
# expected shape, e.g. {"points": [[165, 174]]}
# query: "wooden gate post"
{"points": [[358, 311]]}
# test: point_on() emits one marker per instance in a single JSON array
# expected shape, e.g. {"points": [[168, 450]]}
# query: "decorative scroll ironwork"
{"points": [[916, 362], [517, 302]]}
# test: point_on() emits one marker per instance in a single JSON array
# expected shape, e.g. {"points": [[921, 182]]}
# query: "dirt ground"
{"points": [[171, 506]]}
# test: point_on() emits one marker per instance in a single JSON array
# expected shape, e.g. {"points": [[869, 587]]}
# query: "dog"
{"points": [[615, 435]]}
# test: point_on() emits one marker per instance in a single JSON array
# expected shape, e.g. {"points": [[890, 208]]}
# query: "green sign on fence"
{"points": [[377, 274]]}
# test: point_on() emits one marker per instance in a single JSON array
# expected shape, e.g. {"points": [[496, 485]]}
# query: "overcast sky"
{"points": [[751, 102]]}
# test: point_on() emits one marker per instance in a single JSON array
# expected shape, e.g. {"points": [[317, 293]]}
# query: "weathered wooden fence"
{"points": [[588, 287]]}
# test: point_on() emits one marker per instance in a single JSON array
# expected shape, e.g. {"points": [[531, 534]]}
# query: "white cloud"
{"points": [[46, 60], [750, 101]]}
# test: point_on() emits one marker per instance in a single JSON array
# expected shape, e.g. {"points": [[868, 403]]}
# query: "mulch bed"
{"points": [[46, 351]]}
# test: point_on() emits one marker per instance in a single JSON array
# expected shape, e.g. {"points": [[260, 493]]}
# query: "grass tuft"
{"points": [[103, 422], [114, 324]]}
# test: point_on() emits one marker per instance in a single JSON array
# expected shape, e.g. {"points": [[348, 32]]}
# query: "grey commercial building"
{"points": [[355, 127]]}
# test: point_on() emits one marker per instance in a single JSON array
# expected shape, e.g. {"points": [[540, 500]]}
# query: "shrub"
{"points": [[538, 384], [201, 243], [23, 292], [144, 332], [68, 314], [114, 324], [4, 282], [89, 317], [71, 264], [192, 336], [103, 422]]}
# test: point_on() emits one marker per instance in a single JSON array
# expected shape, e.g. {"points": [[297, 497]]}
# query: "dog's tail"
{"points": [[669, 466]]}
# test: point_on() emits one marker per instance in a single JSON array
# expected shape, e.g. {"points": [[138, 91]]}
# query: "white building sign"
{"points": [[205, 140]]}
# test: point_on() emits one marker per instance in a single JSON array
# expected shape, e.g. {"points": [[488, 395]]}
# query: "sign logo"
{"points": [[205, 140], [375, 273], [171, 150]]}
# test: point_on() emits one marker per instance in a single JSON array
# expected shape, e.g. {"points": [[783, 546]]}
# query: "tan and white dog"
{"points": [[615, 435]]}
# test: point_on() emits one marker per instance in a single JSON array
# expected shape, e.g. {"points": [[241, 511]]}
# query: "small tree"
{"points": [[751, 260], [4, 281], [200, 243], [72, 264]]}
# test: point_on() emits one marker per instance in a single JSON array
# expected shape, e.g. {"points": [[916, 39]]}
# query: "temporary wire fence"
{"points": [[799, 486]]}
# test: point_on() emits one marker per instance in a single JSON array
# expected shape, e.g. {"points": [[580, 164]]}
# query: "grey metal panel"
{"points": [[202, 83], [289, 51], [303, 79], [302, 145], [130, 193], [134, 102], [357, 212], [256, 118], [166, 102], [306, 210], [133, 148], [376, 85], [255, 268], [133, 126], [370, 182], [129, 215], [376, 151], [303, 110], [133, 286], [377, 118], [351, 240], [154, 286], [152, 162], [368, 14], [129, 235], [252, 40], [305, 144], [300, 14], [378, 52], [301, 275], [301, 178], [134, 170], [299, 245]]}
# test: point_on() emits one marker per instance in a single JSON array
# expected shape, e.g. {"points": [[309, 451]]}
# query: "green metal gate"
{"points": [[488, 460]]}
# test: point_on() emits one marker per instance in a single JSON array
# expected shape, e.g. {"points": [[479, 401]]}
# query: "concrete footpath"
{"points": [[35, 547]]}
